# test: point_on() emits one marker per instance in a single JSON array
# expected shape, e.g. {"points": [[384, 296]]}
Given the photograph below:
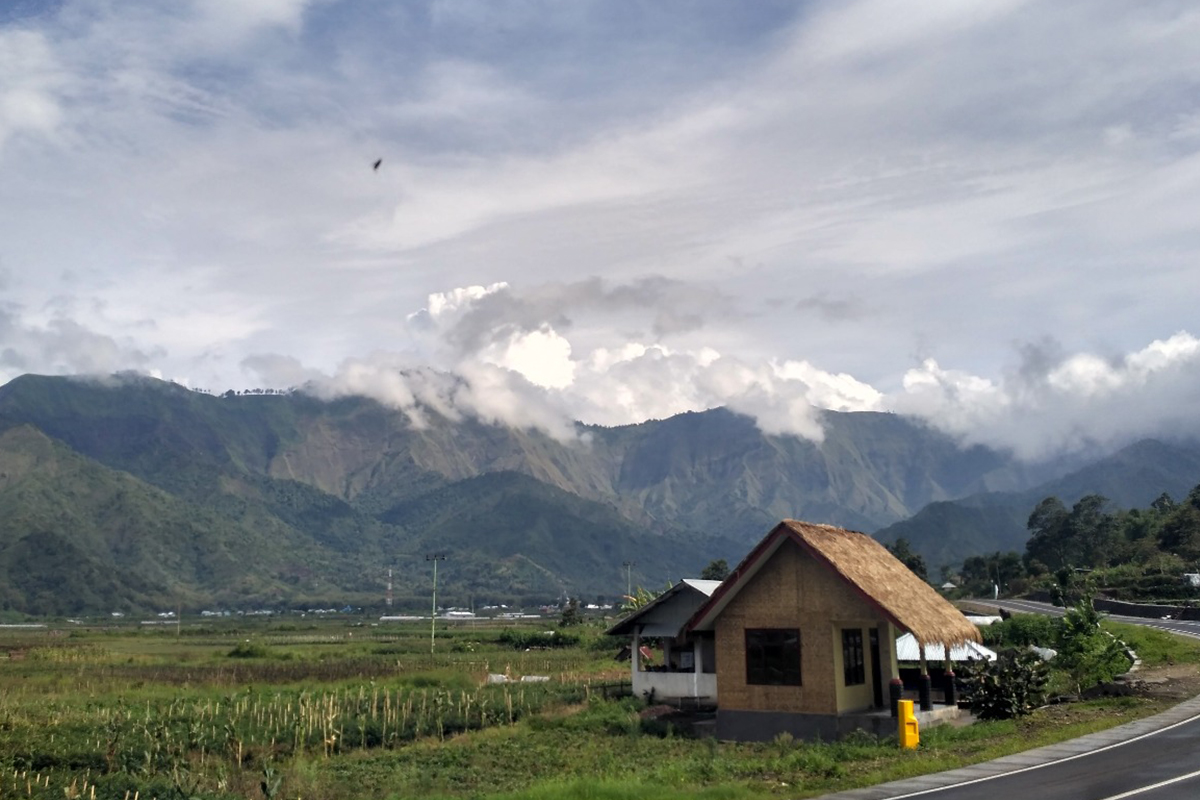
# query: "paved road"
{"points": [[1181, 626], [1152, 759]]}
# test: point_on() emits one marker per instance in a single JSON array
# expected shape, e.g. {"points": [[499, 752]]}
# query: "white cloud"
{"points": [[441, 303], [787, 206], [62, 345], [30, 82], [543, 357], [1071, 403]]}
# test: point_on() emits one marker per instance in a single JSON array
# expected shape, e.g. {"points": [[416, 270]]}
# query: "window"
{"points": [[773, 656], [853, 665]]}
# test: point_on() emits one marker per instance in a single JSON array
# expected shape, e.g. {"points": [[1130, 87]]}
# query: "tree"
{"points": [[715, 571], [640, 598], [1094, 529], [1048, 534], [1163, 504], [980, 573], [1180, 532], [570, 614], [1085, 536], [905, 555]]}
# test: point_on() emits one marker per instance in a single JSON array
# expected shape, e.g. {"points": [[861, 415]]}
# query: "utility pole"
{"points": [[435, 558], [629, 565]]}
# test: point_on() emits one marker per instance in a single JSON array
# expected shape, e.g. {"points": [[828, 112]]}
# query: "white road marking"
{"points": [[1064, 760], [1152, 787], [1049, 763]]}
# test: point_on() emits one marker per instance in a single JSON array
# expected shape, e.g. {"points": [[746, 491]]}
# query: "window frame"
{"points": [[773, 656], [854, 661]]}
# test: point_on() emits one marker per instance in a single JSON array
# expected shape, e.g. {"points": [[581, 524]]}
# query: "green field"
{"points": [[342, 709]]}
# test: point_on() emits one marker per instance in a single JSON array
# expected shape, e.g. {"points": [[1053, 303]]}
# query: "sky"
{"points": [[983, 215]]}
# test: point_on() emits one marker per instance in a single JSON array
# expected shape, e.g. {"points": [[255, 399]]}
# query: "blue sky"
{"points": [[981, 214]]}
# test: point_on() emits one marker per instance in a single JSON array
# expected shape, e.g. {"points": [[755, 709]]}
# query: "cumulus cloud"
{"points": [[543, 357], [513, 367], [61, 346], [1051, 404], [522, 358], [478, 390]]}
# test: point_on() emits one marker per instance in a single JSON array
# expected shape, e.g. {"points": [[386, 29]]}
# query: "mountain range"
{"points": [[129, 493]]}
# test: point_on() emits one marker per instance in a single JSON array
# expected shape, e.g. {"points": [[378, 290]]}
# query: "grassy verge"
{"points": [[1155, 647], [604, 751]]}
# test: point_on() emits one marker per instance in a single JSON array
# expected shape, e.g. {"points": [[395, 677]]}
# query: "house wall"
{"points": [[675, 685], [794, 590], [861, 696]]}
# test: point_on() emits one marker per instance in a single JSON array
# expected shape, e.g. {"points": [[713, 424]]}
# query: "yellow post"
{"points": [[910, 735]]}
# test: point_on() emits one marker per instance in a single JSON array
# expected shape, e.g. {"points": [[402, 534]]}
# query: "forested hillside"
{"points": [[180, 497], [946, 533], [1128, 554]]}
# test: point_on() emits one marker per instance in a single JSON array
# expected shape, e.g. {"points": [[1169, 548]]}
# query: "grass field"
{"points": [[339, 709]]}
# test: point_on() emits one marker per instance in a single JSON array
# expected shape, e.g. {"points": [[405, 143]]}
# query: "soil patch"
{"points": [[1169, 682]]}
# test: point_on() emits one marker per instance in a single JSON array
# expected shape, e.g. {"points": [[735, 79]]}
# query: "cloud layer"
{"points": [[982, 215]]}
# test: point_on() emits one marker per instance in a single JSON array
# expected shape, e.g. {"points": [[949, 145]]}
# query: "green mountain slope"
{"points": [[505, 529], [716, 471], [711, 471], [76, 536], [948, 532], [350, 488]]}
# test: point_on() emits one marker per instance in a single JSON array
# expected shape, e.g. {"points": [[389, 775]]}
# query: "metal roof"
{"points": [[667, 614], [907, 650]]}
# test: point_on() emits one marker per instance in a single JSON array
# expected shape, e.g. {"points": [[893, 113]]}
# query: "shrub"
{"points": [[249, 650], [1022, 630], [1011, 686], [1087, 653], [525, 640]]}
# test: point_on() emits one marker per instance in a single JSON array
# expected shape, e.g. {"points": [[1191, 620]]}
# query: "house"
{"points": [[805, 632], [688, 669]]}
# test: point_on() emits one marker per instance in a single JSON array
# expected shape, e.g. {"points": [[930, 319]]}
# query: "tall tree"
{"points": [[1180, 532], [1048, 534], [717, 570], [903, 551]]}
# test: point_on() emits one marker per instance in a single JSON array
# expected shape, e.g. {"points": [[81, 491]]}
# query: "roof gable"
{"points": [[667, 614], [863, 563]]}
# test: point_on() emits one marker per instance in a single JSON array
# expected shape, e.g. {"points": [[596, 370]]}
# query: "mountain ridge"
{"points": [[1132, 477], [348, 485]]}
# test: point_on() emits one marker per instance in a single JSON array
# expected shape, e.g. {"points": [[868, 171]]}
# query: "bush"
{"points": [[248, 650], [525, 640], [1022, 630], [1087, 653], [1011, 686]]}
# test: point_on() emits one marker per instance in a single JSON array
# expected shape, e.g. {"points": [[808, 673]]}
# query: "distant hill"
{"points": [[281, 499], [512, 527], [76, 536], [948, 532]]}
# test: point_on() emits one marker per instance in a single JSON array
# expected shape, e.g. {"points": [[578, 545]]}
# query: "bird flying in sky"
{"points": [[377, 163]]}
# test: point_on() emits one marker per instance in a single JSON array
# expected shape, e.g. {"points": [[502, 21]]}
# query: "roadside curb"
{"points": [[1030, 759]]}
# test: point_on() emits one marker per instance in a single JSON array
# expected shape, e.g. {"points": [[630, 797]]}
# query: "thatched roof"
{"points": [[865, 564]]}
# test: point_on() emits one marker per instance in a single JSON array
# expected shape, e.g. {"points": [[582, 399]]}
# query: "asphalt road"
{"points": [[1154, 759], [1185, 627]]}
